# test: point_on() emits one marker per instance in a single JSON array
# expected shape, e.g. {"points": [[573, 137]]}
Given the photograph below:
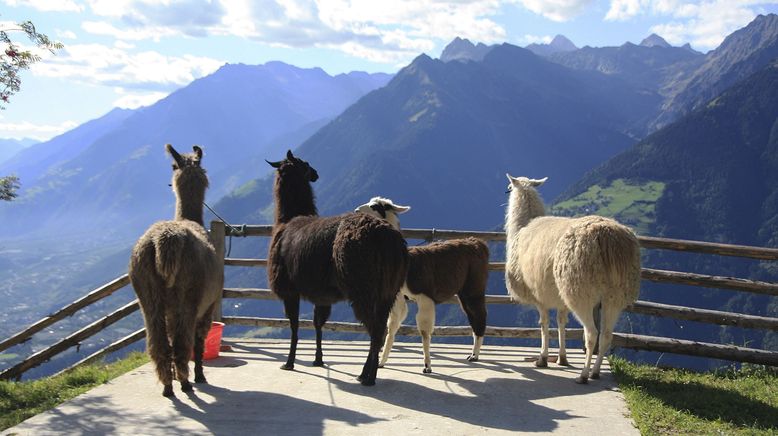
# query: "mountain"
{"points": [[559, 44], [33, 162], [112, 173], [654, 40], [681, 77], [646, 67], [712, 176], [432, 139], [9, 147], [463, 50], [741, 54]]}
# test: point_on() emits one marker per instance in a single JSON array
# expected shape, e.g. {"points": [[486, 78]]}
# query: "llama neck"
{"points": [[293, 198], [523, 206], [190, 208]]}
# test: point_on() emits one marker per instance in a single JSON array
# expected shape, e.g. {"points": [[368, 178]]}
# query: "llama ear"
{"points": [[289, 155], [198, 152], [510, 178], [538, 182], [174, 154], [400, 209], [274, 164]]}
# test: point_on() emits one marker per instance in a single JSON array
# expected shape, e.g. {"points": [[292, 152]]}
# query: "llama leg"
{"points": [[561, 323], [183, 341], [425, 322], [159, 350], [201, 332], [608, 319], [376, 327], [475, 309], [396, 317], [320, 316], [590, 337], [292, 310], [542, 361]]}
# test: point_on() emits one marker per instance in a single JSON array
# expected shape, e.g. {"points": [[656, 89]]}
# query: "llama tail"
{"points": [[169, 245], [599, 253]]}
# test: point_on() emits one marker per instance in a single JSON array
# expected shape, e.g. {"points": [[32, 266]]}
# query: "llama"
{"points": [[436, 273], [569, 264], [177, 277], [352, 257]]}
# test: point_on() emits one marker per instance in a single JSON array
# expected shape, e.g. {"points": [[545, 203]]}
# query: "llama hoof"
{"points": [[562, 361], [542, 362], [366, 381], [186, 387], [427, 371], [595, 376], [318, 363], [380, 365], [582, 380], [287, 367], [168, 391], [472, 358], [200, 379]]}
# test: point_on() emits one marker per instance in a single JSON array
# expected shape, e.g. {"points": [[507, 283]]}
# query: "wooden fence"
{"points": [[640, 342]]}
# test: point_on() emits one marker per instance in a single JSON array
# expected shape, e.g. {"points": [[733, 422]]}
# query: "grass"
{"points": [[21, 400], [633, 204], [675, 401]]}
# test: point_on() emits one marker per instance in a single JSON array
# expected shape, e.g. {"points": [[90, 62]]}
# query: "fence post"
{"points": [[217, 235]]}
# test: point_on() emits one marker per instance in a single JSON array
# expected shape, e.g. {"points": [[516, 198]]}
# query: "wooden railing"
{"points": [[632, 341], [219, 232]]}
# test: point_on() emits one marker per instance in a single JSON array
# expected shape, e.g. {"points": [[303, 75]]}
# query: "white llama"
{"points": [[569, 264]]}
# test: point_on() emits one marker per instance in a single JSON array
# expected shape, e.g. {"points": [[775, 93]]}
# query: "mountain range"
{"points": [[672, 141], [10, 147], [112, 173]]}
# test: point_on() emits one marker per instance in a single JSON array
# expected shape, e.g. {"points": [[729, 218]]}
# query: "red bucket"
{"points": [[213, 341]]}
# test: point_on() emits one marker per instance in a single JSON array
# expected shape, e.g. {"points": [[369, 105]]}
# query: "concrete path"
{"points": [[249, 394]]}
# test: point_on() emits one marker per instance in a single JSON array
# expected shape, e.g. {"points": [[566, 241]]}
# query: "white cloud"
{"points": [[134, 101], [112, 66], [621, 10], [47, 5], [704, 24], [556, 10], [65, 34], [26, 129], [383, 31], [536, 39]]}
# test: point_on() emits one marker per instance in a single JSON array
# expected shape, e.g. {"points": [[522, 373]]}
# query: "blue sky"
{"points": [[129, 53]]}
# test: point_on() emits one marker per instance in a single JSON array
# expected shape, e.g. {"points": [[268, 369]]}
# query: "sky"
{"points": [[131, 53]]}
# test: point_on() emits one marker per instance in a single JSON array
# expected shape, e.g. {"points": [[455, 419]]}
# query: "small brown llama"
{"points": [[353, 257], [437, 272], [176, 274]]}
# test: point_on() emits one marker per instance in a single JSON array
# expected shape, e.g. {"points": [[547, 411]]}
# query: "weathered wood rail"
{"points": [[639, 342]]}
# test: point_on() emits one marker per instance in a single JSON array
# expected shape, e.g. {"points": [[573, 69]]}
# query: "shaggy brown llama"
{"points": [[176, 274], [353, 257]]}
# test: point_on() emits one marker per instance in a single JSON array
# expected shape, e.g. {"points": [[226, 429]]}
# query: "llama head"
{"points": [[384, 208], [188, 175], [523, 182], [295, 167]]}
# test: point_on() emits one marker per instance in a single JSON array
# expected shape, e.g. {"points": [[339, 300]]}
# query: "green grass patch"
{"points": [[675, 401], [21, 400], [630, 203]]}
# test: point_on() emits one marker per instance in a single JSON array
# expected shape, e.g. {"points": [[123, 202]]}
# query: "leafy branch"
{"points": [[13, 59]]}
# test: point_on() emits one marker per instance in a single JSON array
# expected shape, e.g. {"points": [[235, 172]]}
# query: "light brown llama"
{"points": [[176, 274], [569, 264]]}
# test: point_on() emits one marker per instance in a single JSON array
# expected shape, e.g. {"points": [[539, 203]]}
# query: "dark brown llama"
{"points": [[176, 274], [352, 257]]}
